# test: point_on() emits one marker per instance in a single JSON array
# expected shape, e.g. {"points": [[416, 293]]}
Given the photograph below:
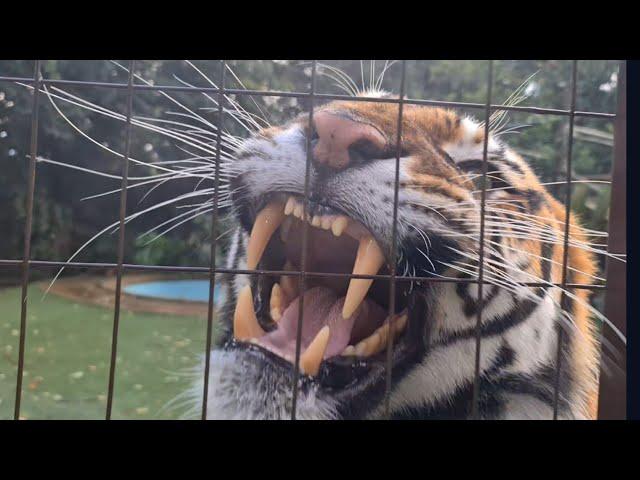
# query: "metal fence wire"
{"points": [[612, 392]]}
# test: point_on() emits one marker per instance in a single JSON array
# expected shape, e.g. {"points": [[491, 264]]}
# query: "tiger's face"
{"points": [[347, 323]]}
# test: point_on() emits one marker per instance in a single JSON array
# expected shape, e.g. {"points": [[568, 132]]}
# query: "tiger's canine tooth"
{"points": [[267, 222], [383, 333], [399, 324], [374, 344], [369, 260], [276, 302], [245, 322], [290, 205], [311, 359], [298, 211], [338, 225]]}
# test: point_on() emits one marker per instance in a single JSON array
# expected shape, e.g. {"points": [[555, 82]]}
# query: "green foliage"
{"points": [[168, 251]]}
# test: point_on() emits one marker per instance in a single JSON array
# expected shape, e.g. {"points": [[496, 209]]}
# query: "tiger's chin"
{"points": [[245, 385]]}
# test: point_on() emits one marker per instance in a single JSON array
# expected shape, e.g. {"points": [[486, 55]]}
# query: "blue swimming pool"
{"points": [[185, 290]]}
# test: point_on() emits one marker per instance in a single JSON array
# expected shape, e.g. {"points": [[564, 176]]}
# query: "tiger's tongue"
{"points": [[322, 307]]}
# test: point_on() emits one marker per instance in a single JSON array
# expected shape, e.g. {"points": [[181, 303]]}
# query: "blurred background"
{"points": [[69, 329]]}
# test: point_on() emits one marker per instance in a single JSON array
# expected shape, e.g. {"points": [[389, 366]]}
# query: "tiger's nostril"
{"points": [[336, 136]]}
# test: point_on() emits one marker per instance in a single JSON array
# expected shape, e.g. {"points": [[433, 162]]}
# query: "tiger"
{"points": [[387, 259], [318, 193]]}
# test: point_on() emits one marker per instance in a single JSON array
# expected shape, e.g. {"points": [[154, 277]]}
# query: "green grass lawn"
{"points": [[67, 359]]}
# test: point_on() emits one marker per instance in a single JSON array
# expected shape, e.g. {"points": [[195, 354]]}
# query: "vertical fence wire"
{"points": [[121, 239], [394, 244], [555, 188], [305, 230], [567, 218], [214, 238], [483, 197], [33, 152]]}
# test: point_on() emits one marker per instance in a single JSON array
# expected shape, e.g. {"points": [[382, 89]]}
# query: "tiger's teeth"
{"points": [[339, 225], [311, 359], [276, 302], [399, 324], [361, 348], [245, 323], [288, 208], [349, 351], [369, 260], [383, 333], [326, 223], [267, 222], [369, 346], [316, 221], [378, 340], [298, 211]]}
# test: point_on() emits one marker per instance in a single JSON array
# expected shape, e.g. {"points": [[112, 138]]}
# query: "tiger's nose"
{"points": [[336, 134]]}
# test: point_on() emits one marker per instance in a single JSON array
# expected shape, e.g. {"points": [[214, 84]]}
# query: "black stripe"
{"points": [[440, 249], [495, 180], [444, 154], [458, 405], [506, 356], [522, 384], [513, 165], [471, 306], [534, 199], [501, 323], [546, 252]]}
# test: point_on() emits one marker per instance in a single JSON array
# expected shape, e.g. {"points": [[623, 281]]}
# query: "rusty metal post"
{"points": [[612, 402]]}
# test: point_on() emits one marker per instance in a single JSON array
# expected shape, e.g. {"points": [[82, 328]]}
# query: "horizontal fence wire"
{"points": [[131, 86], [318, 96], [43, 264]]}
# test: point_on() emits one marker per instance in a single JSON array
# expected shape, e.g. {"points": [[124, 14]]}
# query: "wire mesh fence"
{"points": [[612, 384]]}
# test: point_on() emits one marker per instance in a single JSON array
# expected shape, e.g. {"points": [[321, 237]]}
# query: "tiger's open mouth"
{"points": [[344, 320]]}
